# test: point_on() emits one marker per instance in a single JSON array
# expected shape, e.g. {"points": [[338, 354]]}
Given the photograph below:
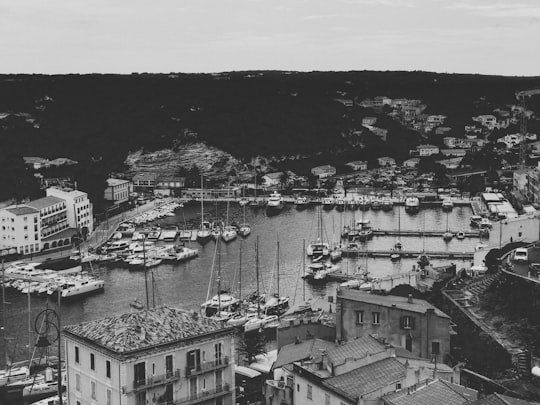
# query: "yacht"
{"points": [[447, 204], [322, 273], [376, 204], [317, 249], [241, 319], [364, 203], [365, 232], [340, 204], [118, 245], [228, 234], [301, 203], [328, 203], [276, 305], [275, 203], [154, 235], [475, 221], [387, 204], [13, 374], [244, 230], [412, 205], [82, 286], [259, 322], [220, 302]]}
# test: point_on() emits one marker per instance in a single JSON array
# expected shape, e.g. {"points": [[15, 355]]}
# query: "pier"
{"points": [[395, 232], [354, 253]]}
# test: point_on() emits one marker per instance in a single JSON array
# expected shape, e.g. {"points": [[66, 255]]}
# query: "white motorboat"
{"points": [[241, 319], [153, 262], [243, 202], [275, 203], [13, 374], [82, 286], [387, 204], [340, 204], [328, 203], [395, 256], [485, 223], [318, 248], [447, 204], [259, 322], [301, 203], [412, 205], [364, 230], [376, 204], [154, 235], [364, 203], [118, 245], [321, 275], [117, 235]]}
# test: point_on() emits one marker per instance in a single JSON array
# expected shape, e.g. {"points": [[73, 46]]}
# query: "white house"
{"points": [[357, 165], [386, 161], [117, 190], [324, 171], [412, 162], [369, 120], [272, 179], [488, 121], [427, 150]]}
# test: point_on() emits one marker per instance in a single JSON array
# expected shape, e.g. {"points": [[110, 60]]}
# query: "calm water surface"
{"points": [[186, 284]]}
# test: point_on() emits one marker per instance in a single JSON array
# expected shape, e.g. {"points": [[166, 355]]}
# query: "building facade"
{"points": [[117, 190], [20, 229], [413, 324], [324, 171], [161, 355], [80, 213]]}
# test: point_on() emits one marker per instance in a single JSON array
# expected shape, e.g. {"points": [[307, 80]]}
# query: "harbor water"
{"points": [[186, 284]]}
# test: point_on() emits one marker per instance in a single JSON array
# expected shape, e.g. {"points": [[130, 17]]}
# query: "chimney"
{"points": [[410, 299]]}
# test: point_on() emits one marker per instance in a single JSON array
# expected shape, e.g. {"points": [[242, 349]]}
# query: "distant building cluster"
{"points": [[38, 163], [45, 223]]}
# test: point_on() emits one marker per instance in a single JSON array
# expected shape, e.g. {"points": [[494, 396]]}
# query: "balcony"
{"points": [[153, 381], [203, 396], [207, 366]]}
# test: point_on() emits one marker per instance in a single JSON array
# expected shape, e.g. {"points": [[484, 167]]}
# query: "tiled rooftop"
{"points": [[369, 378], [143, 329], [44, 202], [21, 210], [498, 399], [417, 305], [434, 392], [116, 182], [354, 349], [310, 349]]}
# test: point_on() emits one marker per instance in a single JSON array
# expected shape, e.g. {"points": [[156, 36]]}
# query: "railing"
{"points": [[202, 396], [207, 366], [152, 381]]}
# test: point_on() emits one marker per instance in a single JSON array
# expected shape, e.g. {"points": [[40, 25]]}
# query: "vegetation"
{"points": [[98, 119], [251, 344]]}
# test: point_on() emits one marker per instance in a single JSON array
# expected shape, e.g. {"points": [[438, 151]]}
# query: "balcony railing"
{"points": [[207, 366], [202, 396], [153, 381]]}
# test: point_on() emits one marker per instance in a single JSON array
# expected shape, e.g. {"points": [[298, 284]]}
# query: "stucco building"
{"points": [[117, 190], [162, 355], [413, 324]]}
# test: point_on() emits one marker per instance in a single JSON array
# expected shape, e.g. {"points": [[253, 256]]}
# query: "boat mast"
{"points": [[278, 271], [4, 302], [202, 203], [240, 275], [145, 274], [219, 280], [257, 272], [304, 270]]}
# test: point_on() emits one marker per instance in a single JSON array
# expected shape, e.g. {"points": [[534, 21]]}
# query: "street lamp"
{"points": [[45, 320]]}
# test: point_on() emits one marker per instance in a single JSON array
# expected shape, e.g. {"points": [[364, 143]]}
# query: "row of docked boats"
{"points": [[363, 202], [165, 210], [28, 279]]}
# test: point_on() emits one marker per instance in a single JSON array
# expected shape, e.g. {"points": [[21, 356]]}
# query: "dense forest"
{"points": [[98, 119]]}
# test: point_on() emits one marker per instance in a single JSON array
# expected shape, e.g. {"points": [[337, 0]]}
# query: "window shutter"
{"points": [[402, 322], [413, 322]]}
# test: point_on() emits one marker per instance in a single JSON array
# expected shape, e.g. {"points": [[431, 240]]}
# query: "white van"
{"points": [[521, 255]]}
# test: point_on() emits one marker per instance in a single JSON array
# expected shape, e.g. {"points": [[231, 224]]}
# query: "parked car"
{"points": [[521, 255]]}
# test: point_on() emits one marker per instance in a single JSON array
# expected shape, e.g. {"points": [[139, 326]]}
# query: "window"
{"points": [[359, 317], [141, 398], [326, 399], [194, 360], [93, 389], [92, 361], [407, 322], [398, 386], [169, 365], [217, 353], [76, 354], [108, 368], [77, 382], [298, 387], [376, 318], [309, 392], [168, 395], [140, 374], [435, 348], [109, 397]]}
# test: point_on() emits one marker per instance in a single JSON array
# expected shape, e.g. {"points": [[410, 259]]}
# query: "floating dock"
{"points": [[353, 253], [395, 232]]}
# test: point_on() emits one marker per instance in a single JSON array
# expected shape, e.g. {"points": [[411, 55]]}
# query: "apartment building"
{"points": [[161, 355], [20, 229], [79, 209], [117, 190]]}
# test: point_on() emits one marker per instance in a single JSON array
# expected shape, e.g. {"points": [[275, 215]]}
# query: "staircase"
{"points": [[477, 288]]}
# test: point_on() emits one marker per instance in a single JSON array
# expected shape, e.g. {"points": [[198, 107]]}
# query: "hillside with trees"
{"points": [[98, 119]]}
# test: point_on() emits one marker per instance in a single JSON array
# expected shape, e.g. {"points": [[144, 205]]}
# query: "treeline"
{"points": [[98, 119]]}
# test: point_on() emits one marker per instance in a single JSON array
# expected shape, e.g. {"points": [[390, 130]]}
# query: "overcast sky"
{"points": [[124, 36]]}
